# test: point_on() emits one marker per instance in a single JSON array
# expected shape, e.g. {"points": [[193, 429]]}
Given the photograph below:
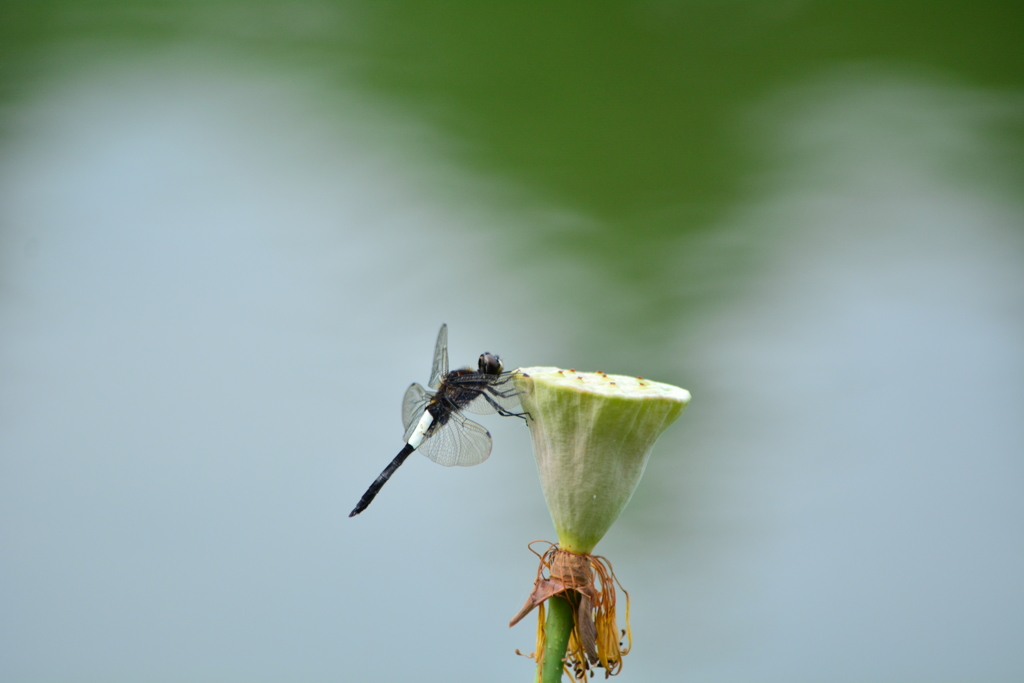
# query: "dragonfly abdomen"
{"points": [[423, 429]]}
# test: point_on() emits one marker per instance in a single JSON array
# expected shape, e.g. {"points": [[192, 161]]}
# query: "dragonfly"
{"points": [[434, 421]]}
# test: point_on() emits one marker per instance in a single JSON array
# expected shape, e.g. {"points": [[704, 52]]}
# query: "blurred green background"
{"points": [[229, 232]]}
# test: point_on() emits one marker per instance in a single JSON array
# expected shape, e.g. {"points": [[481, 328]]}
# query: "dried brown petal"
{"points": [[542, 590]]}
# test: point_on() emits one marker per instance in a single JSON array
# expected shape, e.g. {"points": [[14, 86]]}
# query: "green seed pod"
{"points": [[592, 434]]}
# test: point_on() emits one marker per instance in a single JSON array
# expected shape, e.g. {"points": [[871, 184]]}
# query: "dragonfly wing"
{"points": [[440, 367], [413, 405], [459, 442]]}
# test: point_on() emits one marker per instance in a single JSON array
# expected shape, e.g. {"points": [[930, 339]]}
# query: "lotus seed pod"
{"points": [[592, 434]]}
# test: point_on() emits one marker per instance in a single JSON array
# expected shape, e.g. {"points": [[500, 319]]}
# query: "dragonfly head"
{"points": [[490, 364]]}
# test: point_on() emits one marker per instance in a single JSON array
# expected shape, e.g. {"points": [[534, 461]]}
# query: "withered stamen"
{"points": [[588, 583]]}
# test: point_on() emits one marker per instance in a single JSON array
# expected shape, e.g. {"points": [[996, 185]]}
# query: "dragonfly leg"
{"points": [[504, 412], [504, 393]]}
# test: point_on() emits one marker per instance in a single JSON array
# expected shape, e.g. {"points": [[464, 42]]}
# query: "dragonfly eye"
{"points": [[490, 364]]}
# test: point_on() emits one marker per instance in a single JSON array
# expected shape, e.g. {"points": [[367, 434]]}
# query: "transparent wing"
{"points": [[413, 405], [497, 396], [459, 442], [440, 367]]}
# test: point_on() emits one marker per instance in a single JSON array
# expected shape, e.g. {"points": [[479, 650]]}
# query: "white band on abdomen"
{"points": [[421, 429]]}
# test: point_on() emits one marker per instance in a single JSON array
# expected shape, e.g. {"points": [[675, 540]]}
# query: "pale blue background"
{"points": [[220, 267]]}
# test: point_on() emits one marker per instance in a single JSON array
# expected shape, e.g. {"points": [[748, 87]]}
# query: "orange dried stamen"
{"points": [[588, 583]]}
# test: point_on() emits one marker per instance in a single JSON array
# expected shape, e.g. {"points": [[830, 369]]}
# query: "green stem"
{"points": [[557, 631]]}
